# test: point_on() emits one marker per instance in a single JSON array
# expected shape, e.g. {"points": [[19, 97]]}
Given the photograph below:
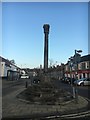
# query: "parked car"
{"points": [[67, 79], [64, 79], [86, 82], [24, 76], [36, 81], [71, 80], [83, 81]]}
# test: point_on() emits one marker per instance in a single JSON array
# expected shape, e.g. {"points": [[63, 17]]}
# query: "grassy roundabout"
{"points": [[45, 93]]}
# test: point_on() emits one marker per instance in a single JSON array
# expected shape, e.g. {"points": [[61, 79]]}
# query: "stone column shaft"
{"points": [[46, 53], [46, 32]]}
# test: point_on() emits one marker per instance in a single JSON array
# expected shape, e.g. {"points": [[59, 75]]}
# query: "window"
{"points": [[83, 66]]}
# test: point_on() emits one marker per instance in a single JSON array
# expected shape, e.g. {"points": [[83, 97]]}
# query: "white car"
{"points": [[25, 76], [83, 81], [86, 82]]}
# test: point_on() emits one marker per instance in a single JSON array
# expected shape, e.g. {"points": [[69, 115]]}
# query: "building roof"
{"points": [[85, 58], [7, 62]]}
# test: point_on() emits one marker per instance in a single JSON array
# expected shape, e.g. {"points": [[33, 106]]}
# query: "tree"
{"points": [[12, 61]]}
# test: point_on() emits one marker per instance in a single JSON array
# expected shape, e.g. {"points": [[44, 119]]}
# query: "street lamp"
{"points": [[76, 92], [71, 64]]}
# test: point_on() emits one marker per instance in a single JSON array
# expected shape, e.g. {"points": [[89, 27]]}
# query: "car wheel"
{"points": [[69, 82], [82, 84]]}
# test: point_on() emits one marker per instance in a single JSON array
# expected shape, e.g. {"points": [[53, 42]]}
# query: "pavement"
{"points": [[12, 107], [0, 98]]}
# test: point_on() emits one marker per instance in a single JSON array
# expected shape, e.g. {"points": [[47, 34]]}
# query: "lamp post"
{"points": [[71, 64], [76, 91]]}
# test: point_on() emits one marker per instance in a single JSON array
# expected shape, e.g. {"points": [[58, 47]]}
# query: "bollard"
{"points": [[26, 84], [76, 95], [73, 92]]}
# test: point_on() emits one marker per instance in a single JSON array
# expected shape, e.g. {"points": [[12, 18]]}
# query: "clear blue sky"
{"points": [[23, 36]]}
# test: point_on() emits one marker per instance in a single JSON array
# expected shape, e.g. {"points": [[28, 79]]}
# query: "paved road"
{"points": [[83, 91], [11, 86], [11, 89]]}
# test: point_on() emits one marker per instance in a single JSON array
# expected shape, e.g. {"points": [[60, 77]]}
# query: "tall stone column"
{"points": [[46, 32]]}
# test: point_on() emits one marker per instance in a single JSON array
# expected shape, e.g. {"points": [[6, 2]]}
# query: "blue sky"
{"points": [[23, 36]]}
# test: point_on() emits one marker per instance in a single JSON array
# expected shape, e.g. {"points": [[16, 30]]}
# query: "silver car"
{"points": [[83, 81], [86, 82]]}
